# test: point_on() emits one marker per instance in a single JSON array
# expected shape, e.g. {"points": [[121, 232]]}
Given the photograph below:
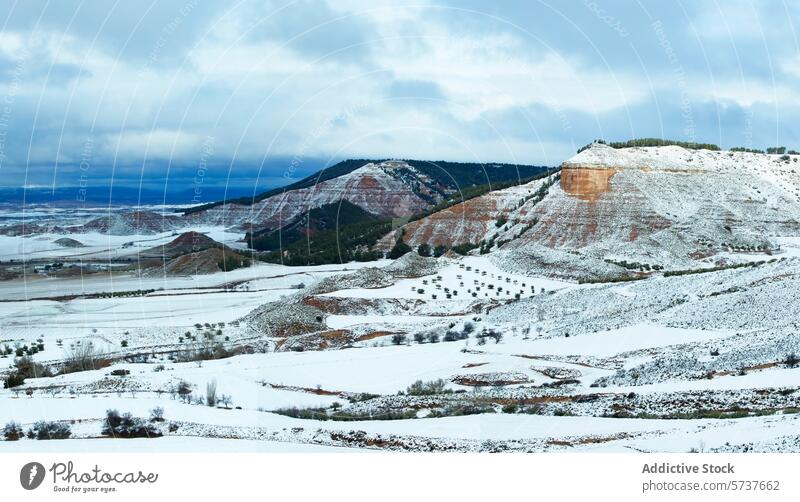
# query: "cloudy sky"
{"points": [[160, 91]]}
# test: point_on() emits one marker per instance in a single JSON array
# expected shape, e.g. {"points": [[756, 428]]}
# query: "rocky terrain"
{"points": [[385, 189], [634, 209]]}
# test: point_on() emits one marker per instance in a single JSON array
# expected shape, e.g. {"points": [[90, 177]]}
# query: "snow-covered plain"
{"points": [[544, 363]]}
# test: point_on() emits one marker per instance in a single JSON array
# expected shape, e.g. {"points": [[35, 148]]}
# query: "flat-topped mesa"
{"points": [[588, 174], [659, 158], [665, 206]]}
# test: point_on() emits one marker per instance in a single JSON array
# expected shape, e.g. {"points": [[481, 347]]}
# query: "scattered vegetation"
{"points": [[127, 426], [671, 273], [399, 339], [49, 430], [420, 388], [12, 431], [84, 356], [25, 367], [232, 263], [341, 416]]}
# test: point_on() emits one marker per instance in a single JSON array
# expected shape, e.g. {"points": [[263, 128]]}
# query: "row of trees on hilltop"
{"points": [[776, 150], [641, 142]]}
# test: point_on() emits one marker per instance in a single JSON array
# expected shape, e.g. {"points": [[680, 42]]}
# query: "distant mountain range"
{"points": [[448, 176], [119, 196]]}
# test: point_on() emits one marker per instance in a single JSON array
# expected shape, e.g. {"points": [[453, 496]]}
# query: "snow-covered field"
{"points": [[558, 377]]}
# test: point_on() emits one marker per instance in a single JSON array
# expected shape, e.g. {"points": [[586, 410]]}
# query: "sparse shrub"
{"points": [[29, 368], [207, 350], [510, 408], [400, 248], [120, 372], [13, 379], [158, 367], [419, 337], [306, 413], [127, 426], [364, 396], [49, 430], [12, 431], [420, 388], [25, 367], [714, 352], [433, 337], [791, 360], [232, 263], [157, 414], [496, 335], [123, 343], [84, 357], [225, 400], [452, 336], [184, 390], [398, 339]]}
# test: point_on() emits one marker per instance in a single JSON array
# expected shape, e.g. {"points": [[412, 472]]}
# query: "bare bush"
{"points": [[420, 388], [157, 414], [183, 390], [84, 357], [398, 339]]}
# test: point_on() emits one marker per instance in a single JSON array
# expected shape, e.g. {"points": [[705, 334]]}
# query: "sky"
{"points": [[176, 94]]}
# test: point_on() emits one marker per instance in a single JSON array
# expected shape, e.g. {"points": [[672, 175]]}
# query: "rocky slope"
{"points": [[191, 253], [383, 188], [129, 223], [474, 220], [391, 189], [669, 206], [664, 207]]}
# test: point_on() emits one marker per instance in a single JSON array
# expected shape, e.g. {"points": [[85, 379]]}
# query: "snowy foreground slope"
{"points": [[510, 362]]}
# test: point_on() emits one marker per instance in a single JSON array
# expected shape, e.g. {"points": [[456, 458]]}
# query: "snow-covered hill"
{"points": [[389, 189], [663, 207]]}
